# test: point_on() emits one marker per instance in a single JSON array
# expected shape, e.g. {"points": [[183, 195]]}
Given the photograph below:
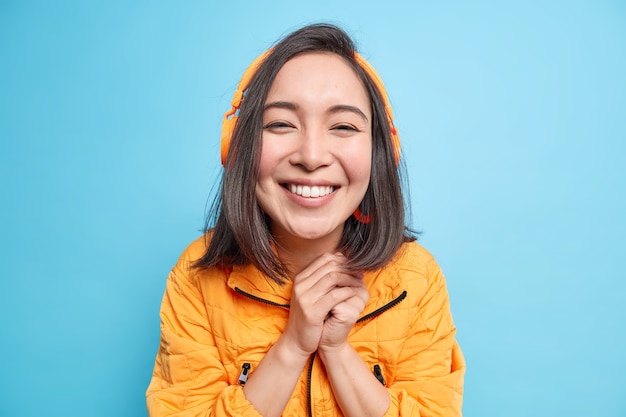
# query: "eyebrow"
{"points": [[280, 105], [346, 107], [334, 109]]}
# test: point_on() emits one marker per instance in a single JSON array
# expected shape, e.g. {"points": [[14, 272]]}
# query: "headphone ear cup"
{"points": [[230, 118], [228, 127]]}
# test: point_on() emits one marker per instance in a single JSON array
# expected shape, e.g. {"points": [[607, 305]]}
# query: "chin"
{"points": [[316, 234]]}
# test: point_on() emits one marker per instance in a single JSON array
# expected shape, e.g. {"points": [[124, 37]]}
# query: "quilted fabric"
{"points": [[214, 321]]}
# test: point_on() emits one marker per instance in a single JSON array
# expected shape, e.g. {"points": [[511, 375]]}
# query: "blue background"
{"points": [[513, 121]]}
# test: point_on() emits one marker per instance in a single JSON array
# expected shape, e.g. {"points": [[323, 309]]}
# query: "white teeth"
{"points": [[310, 192]]}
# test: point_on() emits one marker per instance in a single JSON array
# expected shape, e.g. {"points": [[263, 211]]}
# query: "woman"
{"points": [[308, 296]]}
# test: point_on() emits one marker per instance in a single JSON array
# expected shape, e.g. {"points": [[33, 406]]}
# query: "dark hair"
{"points": [[241, 231]]}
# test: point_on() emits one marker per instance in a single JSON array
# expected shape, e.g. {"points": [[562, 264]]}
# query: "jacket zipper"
{"points": [[384, 308], [308, 384], [243, 376], [378, 374], [368, 316], [259, 299]]}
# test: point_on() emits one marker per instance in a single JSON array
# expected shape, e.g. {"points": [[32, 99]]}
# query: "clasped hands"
{"points": [[326, 302]]}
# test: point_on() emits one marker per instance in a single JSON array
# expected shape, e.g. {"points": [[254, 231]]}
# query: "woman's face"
{"points": [[317, 148]]}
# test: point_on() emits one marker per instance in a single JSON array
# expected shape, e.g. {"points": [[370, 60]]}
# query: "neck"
{"points": [[298, 253]]}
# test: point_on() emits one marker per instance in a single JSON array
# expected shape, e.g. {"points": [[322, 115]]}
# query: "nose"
{"points": [[313, 150]]}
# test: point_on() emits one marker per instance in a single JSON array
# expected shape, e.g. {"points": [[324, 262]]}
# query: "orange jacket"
{"points": [[215, 323]]}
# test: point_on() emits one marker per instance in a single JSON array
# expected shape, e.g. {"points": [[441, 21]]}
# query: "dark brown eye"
{"points": [[346, 127], [344, 130], [277, 126]]}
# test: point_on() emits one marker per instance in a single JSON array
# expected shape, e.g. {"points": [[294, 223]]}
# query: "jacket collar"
{"points": [[384, 286]]}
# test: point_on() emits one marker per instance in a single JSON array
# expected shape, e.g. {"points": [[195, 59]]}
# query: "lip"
{"points": [[309, 181], [309, 201]]}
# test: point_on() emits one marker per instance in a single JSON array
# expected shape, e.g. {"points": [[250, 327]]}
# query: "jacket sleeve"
{"points": [[431, 367], [188, 377]]}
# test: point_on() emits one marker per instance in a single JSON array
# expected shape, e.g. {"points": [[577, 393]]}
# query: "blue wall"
{"points": [[513, 120]]}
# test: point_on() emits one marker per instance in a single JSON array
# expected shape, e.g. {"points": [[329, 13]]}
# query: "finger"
{"points": [[329, 272], [325, 288], [329, 301], [352, 306], [363, 294], [320, 264]]}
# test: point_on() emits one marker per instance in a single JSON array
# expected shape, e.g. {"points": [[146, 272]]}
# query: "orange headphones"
{"points": [[230, 117]]}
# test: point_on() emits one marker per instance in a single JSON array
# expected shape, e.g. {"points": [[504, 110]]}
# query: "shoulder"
{"points": [[416, 269], [412, 268], [186, 269], [413, 257], [195, 249]]}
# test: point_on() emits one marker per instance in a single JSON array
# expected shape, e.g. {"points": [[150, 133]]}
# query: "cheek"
{"points": [[362, 176], [271, 154], [359, 164], [266, 163]]}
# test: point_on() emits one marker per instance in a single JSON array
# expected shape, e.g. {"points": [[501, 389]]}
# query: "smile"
{"points": [[310, 191]]}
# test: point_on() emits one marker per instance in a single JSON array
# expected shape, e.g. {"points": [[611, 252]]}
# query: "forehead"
{"points": [[318, 76]]}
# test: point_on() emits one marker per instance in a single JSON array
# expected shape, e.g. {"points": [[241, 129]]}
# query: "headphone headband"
{"points": [[230, 117]]}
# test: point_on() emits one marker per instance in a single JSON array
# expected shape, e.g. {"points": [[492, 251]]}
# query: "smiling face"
{"points": [[317, 147]]}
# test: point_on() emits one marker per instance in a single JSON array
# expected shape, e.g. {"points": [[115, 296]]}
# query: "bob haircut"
{"points": [[241, 232]]}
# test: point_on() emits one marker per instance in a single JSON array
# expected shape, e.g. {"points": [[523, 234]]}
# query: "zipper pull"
{"points": [[379, 374], [243, 376]]}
